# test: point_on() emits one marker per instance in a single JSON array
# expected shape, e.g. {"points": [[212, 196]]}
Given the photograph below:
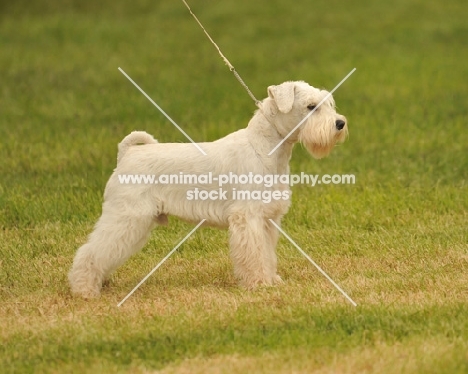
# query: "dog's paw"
{"points": [[252, 284], [87, 294]]}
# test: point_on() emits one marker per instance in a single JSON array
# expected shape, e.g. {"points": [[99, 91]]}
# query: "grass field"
{"points": [[396, 241]]}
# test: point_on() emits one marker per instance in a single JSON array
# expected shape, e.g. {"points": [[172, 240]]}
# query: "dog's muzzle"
{"points": [[340, 124]]}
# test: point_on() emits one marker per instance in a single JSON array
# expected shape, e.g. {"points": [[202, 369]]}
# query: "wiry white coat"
{"points": [[131, 211]]}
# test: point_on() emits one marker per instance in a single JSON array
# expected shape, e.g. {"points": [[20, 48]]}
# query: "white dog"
{"points": [[131, 211]]}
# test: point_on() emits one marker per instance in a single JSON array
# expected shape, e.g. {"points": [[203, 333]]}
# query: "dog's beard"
{"points": [[320, 141]]}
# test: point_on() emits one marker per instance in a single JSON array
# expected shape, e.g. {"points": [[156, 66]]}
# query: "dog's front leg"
{"points": [[253, 240]]}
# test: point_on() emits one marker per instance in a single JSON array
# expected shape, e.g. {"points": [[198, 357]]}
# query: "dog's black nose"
{"points": [[340, 124]]}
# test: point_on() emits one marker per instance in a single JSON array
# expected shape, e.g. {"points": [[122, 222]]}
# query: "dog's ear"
{"points": [[283, 96]]}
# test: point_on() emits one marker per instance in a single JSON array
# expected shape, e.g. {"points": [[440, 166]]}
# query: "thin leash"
{"points": [[226, 61]]}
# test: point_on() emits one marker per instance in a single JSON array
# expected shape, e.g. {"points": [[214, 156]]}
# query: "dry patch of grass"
{"points": [[409, 357]]}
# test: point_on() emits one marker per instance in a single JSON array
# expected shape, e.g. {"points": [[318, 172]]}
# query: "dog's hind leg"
{"points": [[272, 235], [115, 238], [253, 242]]}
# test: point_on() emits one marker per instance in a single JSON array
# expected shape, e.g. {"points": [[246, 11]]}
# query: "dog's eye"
{"points": [[311, 107]]}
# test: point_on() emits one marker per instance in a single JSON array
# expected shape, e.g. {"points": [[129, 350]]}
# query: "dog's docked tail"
{"points": [[134, 138]]}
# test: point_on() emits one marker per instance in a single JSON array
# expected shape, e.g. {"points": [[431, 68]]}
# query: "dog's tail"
{"points": [[134, 138]]}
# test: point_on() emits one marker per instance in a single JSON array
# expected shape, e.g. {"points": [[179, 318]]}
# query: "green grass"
{"points": [[396, 241]]}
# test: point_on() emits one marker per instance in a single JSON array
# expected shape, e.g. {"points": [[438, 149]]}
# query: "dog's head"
{"points": [[290, 102]]}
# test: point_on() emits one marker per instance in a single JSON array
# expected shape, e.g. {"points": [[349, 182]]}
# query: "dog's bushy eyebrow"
{"points": [[330, 101]]}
